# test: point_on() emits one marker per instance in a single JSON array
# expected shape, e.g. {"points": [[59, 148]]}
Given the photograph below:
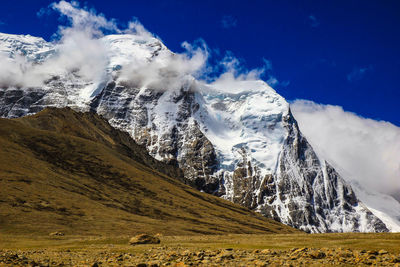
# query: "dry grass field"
{"points": [[72, 173], [206, 250]]}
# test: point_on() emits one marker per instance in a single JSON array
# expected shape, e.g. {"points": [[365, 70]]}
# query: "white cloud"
{"points": [[358, 73], [84, 20], [173, 71], [228, 22], [20, 72], [135, 27], [365, 149], [79, 48], [233, 73], [170, 71]]}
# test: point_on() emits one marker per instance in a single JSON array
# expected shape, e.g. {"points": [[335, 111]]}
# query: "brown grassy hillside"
{"points": [[61, 170]]}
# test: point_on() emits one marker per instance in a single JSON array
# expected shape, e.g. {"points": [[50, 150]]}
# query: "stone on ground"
{"points": [[144, 239]]}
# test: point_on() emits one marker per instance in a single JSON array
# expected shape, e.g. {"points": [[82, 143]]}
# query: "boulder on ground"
{"points": [[56, 234], [144, 239]]}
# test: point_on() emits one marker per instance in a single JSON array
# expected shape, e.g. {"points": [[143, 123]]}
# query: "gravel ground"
{"points": [[165, 256]]}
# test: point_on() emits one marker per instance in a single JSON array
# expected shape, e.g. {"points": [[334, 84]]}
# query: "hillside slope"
{"points": [[61, 170]]}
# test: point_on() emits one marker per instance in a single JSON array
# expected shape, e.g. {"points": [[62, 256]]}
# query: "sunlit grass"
{"points": [[354, 241]]}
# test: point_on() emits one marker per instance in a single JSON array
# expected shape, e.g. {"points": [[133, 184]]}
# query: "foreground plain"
{"points": [[205, 250], [71, 173]]}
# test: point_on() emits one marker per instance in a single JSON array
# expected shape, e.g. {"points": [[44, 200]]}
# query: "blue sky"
{"points": [[343, 53]]}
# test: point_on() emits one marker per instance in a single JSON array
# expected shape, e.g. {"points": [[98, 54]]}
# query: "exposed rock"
{"points": [[317, 254], [382, 252], [56, 234], [159, 256], [144, 239]]}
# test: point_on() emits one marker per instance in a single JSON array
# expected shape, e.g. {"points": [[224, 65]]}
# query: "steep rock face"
{"points": [[240, 143], [162, 121], [328, 204], [296, 187]]}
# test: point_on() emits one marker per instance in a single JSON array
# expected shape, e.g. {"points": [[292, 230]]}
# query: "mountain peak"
{"points": [[235, 137]]}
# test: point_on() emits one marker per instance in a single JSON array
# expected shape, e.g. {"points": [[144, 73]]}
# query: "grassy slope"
{"points": [[66, 171]]}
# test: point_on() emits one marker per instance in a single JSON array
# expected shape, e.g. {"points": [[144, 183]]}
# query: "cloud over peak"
{"points": [[83, 19], [367, 150], [79, 47]]}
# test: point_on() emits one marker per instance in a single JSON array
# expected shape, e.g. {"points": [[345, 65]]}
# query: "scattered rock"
{"points": [[154, 264], [317, 254], [382, 252], [56, 234], [259, 263], [396, 260], [186, 253], [225, 254], [188, 256], [299, 250], [345, 254], [144, 239]]}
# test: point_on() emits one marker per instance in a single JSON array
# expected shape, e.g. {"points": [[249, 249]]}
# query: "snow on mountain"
{"points": [[249, 118], [236, 140], [364, 151], [383, 206], [33, 48]]}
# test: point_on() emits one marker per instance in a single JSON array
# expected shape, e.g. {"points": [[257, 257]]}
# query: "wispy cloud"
{"points": [[267, 64], [359, 73], [2, 23], [83, 19], [314, 22], [79, 48], [271, 79], [43, 11], [228, 22], [366, 149]]}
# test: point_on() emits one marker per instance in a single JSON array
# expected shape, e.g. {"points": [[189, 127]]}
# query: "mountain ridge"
{"points": [[238, 141]]}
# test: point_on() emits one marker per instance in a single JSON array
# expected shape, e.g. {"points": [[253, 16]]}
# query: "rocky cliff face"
{"points": [[241, 143]]}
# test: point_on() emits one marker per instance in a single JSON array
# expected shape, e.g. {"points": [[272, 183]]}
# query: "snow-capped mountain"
{"points": [[236, 140]]}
